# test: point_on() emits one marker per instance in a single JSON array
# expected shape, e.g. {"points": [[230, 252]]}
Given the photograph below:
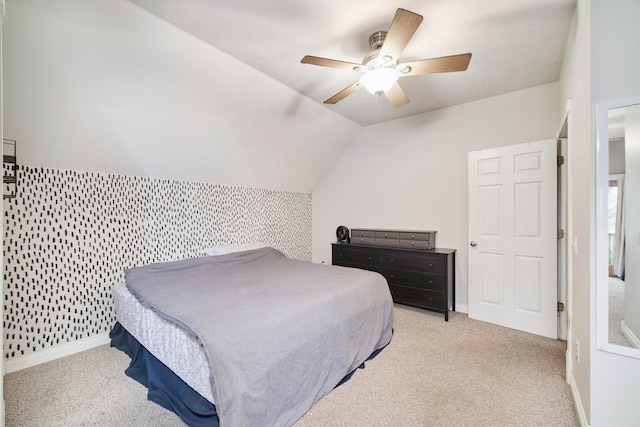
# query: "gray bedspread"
{"points": [[279, 333]]}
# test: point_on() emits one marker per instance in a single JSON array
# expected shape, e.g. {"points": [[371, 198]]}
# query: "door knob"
{"points": [[473, 244]]}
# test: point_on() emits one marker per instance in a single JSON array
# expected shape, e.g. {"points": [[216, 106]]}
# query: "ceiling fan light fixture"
{"points": [[379, 80]]}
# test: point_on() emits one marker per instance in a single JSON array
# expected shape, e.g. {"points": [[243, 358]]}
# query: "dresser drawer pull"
{"points": [[391, 260], [369, 258], [430, 264], [413, 236], [413, 243], [431, 282], [392, 276]]}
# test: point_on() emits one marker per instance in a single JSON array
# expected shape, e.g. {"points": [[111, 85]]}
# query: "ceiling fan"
{"points": [[381, 67]]}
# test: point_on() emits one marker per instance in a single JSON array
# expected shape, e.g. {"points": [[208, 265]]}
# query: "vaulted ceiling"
{"points": [[515, 45]]}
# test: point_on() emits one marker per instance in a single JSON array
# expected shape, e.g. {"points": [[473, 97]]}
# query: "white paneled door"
{"points": [[513, 237]]}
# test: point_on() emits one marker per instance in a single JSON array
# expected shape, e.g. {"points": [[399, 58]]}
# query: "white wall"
{"points": [[411, 173], [106, 86], [615, 67]]}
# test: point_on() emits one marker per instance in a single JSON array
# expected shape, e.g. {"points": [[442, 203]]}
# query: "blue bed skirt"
{"points": [[167, 389], [164, 387]]}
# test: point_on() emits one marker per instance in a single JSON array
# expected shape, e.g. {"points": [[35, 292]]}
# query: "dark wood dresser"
{"points": [[423, 278]]}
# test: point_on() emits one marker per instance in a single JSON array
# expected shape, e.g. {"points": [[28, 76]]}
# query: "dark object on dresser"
{"points": [[423, 278], [342, 235], [394, 238]]}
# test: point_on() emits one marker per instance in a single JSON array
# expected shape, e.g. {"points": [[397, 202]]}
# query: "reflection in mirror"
{"points": [[618, 222], [615, 227]]}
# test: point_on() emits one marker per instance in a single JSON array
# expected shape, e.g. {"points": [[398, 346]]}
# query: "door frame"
{"points": [[563, 251], [569, 246]]}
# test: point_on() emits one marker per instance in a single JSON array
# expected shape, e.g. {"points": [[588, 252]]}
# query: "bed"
{"points": [[248, 338]]}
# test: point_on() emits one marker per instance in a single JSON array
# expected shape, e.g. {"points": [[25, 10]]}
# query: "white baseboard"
{"points": [[462, 308], [568, 363], [62, 350], [629, 335], [577, 401]]}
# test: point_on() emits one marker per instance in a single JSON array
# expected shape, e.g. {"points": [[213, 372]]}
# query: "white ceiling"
{"points": [[516, 44]]}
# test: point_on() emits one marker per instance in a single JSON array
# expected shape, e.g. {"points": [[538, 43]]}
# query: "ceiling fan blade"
{"points": [[343, 93], [396, 96], [333, 63], [444, 64], [403, 26]]}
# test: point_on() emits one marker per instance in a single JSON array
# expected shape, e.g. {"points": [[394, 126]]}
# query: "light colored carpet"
{"points": [[616, 312], [434, 373]]}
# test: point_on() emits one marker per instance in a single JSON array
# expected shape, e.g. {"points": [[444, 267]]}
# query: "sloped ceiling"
{"points": [[515, 45]]}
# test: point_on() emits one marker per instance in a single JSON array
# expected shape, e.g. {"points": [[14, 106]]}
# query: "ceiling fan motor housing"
{"points": [[376, 40]]}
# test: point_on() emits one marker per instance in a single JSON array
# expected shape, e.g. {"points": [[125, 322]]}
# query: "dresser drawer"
{"points": [[362, 233], [418, 297], [362, 240], [386, 234], [425, 236], [414, 279], [354, 257], [386, 242], [416, 244], [419, 260]]}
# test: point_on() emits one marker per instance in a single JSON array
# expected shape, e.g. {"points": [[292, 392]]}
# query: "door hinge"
{"points": [[560, 160], [561, 234], [560, 306]]}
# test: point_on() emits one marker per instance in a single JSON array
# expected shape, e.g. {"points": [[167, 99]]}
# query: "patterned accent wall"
{"points": [[69, 236]]}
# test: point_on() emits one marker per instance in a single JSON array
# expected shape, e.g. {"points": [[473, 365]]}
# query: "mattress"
{"points": [[165, 340]]}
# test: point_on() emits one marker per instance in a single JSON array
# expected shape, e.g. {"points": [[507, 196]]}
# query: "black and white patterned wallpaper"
{"points": [[69, 236]]}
